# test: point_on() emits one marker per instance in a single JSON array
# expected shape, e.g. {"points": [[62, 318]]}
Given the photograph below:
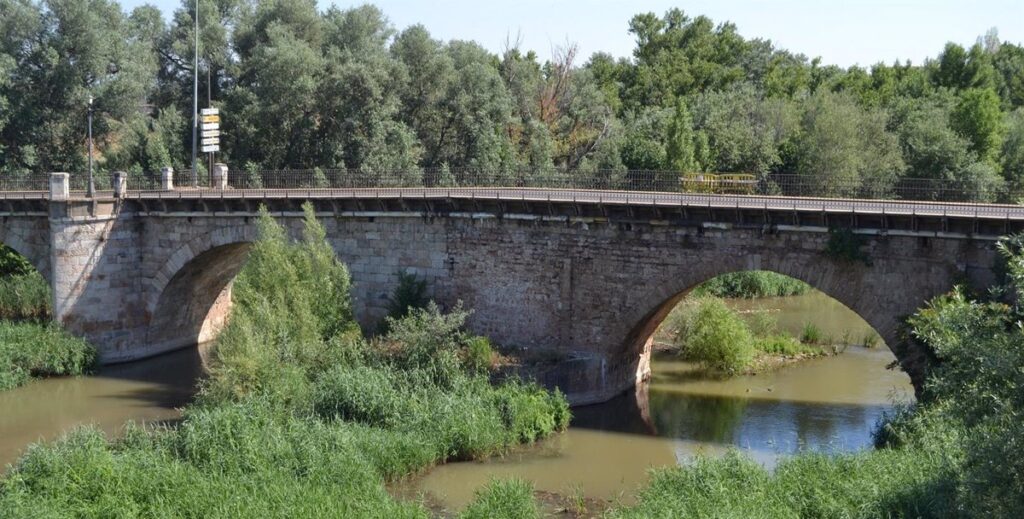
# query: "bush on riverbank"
{"points": [[706, 330], [751, 284], [40, 349], [301, 416]]}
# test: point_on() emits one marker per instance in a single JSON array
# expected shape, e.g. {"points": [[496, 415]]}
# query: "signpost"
{"points": [[210, 127]]}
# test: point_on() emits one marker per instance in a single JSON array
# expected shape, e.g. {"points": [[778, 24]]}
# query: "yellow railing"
{"points": [[731, 183]]}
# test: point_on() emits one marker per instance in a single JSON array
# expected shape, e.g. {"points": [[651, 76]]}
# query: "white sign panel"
{"points": [[211, 141], [209, 111], [211, 149], [209, 126], [211, 133]]}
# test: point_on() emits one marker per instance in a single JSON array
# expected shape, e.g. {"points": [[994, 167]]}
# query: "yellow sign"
{"points": [[210, 119]]}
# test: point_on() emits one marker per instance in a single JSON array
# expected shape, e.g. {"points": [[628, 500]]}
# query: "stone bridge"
{"points": [[589, 274]]}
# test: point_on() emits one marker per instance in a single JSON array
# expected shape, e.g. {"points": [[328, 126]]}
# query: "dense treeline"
{"points": [[301, 88]]}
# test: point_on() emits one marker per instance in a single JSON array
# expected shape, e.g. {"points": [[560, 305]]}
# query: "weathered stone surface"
{"points": [[139, 284]]}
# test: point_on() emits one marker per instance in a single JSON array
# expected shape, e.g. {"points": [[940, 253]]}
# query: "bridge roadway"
{"points": [[586, 196], [592, 196]]}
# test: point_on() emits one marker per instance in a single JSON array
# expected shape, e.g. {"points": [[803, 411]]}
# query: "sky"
{"points": [[841, 32]]}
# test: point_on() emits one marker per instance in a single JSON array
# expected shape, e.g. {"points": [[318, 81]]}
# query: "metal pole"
{"points": [[195, 101], [209, 104], [91, 189]]}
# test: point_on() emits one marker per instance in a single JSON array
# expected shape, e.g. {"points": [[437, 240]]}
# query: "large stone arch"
{"points": [[883, 294], [190, 296]]}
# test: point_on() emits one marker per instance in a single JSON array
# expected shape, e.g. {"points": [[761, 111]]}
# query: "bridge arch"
{"points": [[853, 285], [190, 296], [30, 241]]}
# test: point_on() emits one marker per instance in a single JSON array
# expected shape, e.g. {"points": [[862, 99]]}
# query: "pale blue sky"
{"points": [[841, 32]]}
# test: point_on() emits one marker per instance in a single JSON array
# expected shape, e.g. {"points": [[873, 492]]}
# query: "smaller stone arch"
{"points": [[181, 256], [30, 241], [191, 293]]}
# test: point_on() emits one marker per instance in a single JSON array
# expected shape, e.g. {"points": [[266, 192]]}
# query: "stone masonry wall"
{"points": [[136, 285]]}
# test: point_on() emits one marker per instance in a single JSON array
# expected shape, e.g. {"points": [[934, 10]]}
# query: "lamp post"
{"points": [[195, 100], [91, 189]]}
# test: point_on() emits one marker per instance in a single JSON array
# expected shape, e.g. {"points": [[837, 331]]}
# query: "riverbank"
{"points": [[39, 349]]}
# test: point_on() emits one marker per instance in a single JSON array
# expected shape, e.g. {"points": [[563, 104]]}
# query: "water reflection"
{"points": [[146, 391]]}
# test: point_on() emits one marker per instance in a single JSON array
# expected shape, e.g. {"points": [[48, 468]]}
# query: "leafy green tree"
{"points": [[1009, 64], [958, 68], [930, 147], [1013, 148], [59, 54], [846, 149], [978, 119], [744, 131], [679, 151]]}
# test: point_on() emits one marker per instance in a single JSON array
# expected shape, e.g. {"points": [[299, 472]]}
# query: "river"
{"points": [[827, 404], [148, 391]]}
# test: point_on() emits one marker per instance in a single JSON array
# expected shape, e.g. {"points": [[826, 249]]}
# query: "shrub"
{"points": [[782, 345], [24, 297], [410, 294], [478, 354], [846, 246], [40, 349], [716, 336]]}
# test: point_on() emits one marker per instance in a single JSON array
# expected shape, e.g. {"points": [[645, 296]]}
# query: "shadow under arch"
{"points": [[844, 286], [195, 302]]}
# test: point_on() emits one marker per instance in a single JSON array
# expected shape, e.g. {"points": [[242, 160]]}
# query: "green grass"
{"points": [[751, 284], [811, 334], [30, 349], [783, 345], [887, 483], [24, 297], [503, 499], [301, 416]]}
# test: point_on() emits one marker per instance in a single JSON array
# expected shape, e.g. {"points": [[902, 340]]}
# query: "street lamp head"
{"points": [[90, 99]]}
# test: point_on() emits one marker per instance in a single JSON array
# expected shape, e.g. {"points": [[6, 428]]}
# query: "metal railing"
{"points": [[323, 180]]}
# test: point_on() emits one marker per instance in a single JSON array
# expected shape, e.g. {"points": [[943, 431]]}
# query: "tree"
{"points": [[846, 149], [931, 149], [978, 119], [744, 131], [59, 54], [1013, 148], [679, 151]]}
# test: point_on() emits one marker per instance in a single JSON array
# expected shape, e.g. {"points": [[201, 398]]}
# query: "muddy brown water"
{"points": [[827, 404], [149, 391]]}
